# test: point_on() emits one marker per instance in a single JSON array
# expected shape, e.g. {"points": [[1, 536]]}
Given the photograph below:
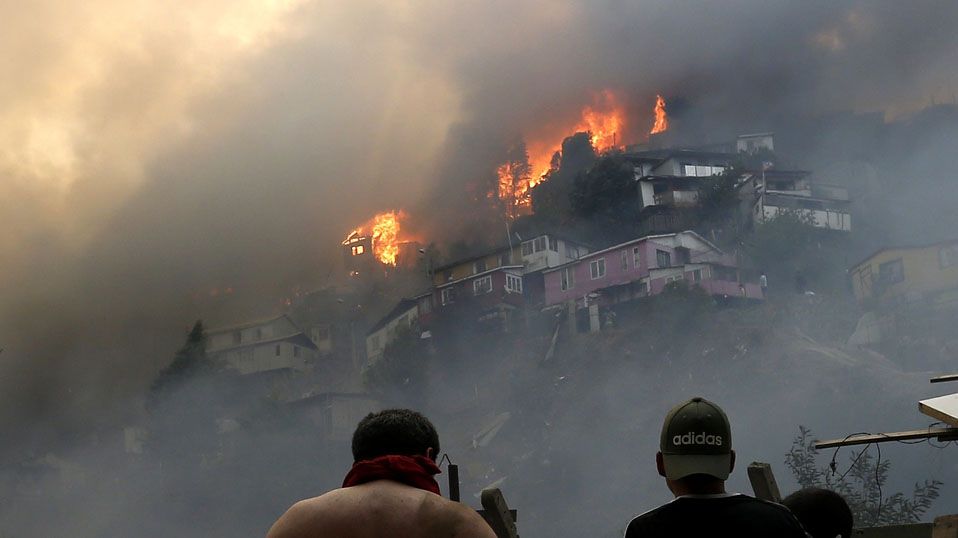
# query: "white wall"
{"points": [[544, 259], [376, 342], [647, 191], [832, 220], [263, 357]]}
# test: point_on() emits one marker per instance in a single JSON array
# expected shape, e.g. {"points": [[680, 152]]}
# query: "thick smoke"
{"points": [[156, 157]]}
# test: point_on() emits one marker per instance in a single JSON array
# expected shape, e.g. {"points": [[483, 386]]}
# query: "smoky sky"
{"points": [[154, 151]]}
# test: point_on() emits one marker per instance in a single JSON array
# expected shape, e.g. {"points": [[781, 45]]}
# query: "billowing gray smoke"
{"points": [[255, 165]]}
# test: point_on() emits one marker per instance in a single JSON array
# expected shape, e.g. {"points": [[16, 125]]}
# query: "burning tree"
{"points": [[604, 120], [514, 180]]}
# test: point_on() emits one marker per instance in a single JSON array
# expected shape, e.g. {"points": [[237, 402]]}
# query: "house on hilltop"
{"points": [[644, 266], [275, 344], [908, 275], [408, 314], [492, 286], [669, 183], [772, 192]]}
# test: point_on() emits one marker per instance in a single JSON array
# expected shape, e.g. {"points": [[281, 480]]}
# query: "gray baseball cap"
{"points": [[696, 439]]}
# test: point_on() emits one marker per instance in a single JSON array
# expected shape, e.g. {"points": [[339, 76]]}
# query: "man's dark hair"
{"points": [[397, 432], [823, 513]]}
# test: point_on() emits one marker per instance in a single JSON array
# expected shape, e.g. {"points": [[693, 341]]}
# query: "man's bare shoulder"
{"points": [[404, 511]]}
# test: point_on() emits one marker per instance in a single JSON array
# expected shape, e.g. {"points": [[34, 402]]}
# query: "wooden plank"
{"points": [[497, 513], [942, 434], [945, 527], [763, 482], [944, 408], [944, 378]]}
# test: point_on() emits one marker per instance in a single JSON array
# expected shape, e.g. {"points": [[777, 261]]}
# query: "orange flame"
{"points": [[604, 120], [383, 231], [661, 119]]}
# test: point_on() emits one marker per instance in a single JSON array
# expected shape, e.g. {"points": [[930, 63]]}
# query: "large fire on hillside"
{"points": [[383, 233], [604, 119]]}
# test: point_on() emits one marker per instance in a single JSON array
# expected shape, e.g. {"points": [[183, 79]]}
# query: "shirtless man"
{"points": [[390, 490]]}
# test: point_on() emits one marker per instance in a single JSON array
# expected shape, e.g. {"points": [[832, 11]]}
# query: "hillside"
{"points": [[575, 450]]}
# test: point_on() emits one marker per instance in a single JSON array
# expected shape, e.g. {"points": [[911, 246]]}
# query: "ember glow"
{"points": [[604, 119], [383, 231], [661, 119]]}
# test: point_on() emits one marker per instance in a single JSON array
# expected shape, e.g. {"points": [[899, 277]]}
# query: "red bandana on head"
{"points": [[415, 471]]}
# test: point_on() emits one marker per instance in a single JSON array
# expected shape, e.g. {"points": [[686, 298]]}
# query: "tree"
{"points": [[402, 371], [789, 247], [514, 175], [190, 361], [551, 197], [606, 196], [861, 484]]}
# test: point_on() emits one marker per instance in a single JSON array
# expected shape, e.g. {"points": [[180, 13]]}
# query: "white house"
{"points": [[752, 143], [680, 163], [262, 346], [826, 206], [403, 316], [547, 250]]}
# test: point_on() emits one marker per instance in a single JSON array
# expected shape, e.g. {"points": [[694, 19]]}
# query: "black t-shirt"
{"points": [[716, 515]]}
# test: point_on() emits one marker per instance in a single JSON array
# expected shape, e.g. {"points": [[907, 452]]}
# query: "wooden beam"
{"points": [[942, 434], [943, 408], [945, 527], [497, 513], [944, 378], [763, 482]]}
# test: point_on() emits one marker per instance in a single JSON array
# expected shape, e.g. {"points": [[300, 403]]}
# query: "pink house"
{"points": [[644, 266]]}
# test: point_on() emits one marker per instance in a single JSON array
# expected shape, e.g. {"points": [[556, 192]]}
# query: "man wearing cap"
{"points": [[696, 457]]}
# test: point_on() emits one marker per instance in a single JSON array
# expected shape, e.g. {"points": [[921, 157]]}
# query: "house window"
{"points": [[482, 285], [320, 333], [527, 248], [567, 279], [948, 256], [636, 257], [682, 255], [891, 272], [597, 268], [296, 351], [539, 243], [572, 253], [278, 350], [504, 259], [553, 244], [513, 283], [663, 258], [425, 305], [358, 249], [478, 266], [447, 295], [697, 275], [624, 255]]}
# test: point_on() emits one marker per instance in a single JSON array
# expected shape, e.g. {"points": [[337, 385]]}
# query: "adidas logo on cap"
{"points": [[701, 438]]}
